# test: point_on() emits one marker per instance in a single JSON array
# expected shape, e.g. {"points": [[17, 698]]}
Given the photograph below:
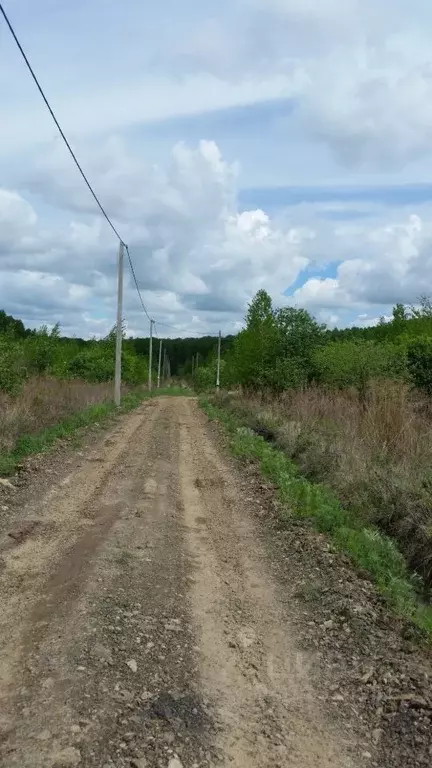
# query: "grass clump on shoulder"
{"points": [[367, 547], [98, 413]]}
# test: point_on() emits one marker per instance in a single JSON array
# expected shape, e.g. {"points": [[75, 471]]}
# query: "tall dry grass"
{"points": [[377, 455], [43, 402]]}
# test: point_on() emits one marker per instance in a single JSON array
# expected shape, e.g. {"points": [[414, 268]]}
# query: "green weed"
{"points": [[123, 557]]}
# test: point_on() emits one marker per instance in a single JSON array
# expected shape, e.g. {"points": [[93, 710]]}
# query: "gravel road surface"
{"points": [[143, 620]]}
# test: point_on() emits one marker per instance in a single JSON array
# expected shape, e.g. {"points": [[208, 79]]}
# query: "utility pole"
{"points": [[218, 364], [164, 369], [150, 356], [193, 358], [119, 328], [159, 363]]}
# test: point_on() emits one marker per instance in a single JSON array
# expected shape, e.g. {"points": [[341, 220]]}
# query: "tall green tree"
{"points": [[275, 351], [253, 349], [298, 336]]}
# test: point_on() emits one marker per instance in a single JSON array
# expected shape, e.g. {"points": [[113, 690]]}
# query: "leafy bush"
{"points": [[92, 365], [45, 353], [356, 363], [204, 378], [42, 349], [12, 368], [419, 355]]}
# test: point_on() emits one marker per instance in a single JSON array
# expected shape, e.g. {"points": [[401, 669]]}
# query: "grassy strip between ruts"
{"points": [[368, 548], [100, 412]]}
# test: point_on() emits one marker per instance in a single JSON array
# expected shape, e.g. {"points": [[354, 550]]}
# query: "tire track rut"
{"points": [[250, 666]]}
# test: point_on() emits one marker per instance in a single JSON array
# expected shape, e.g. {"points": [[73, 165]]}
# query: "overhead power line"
{"points": [[71, 152], [83, 175], [62, 134], [136, 283], [184, 330]]}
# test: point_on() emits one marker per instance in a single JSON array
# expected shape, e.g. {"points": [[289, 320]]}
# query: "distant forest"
{"points": [[180, 351], [407, 326]]}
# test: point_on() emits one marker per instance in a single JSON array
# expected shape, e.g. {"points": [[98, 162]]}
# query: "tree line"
{"points": [[278, 349], [283, 348], [45, 352], [183, 353]]}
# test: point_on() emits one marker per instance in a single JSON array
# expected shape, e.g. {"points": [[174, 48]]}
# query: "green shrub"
{"points": [[419, 355], [12, 366], [345, 364], [45, 353]]}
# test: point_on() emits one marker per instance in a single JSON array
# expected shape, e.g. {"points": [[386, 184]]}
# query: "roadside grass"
{"points": [[366, 546], [99, 413], [43, 402], [376, 455]]}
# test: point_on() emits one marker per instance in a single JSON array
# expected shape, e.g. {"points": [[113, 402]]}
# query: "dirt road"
{"points": [[142, 622]]}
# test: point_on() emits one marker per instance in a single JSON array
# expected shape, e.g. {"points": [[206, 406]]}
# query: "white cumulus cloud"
{"points": [[195, 253], [394, 266]]}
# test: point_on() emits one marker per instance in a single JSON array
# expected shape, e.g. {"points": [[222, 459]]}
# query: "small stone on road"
{"points": [[175, 763]]}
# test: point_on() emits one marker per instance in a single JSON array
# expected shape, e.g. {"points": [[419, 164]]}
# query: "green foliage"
{"points": [[287, 373], [94, 364], [275, 351], [419, 355], [8, 325], [279, 349], [287, 348], [253, 349], [400, 317], [355, 363], [423, 310], [367, 547], [44, 352], [299, 333], [12, 369], [181, 351], [204, 377]]}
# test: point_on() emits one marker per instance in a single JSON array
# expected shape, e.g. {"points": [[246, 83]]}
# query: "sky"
{"points": [[236, 145]]}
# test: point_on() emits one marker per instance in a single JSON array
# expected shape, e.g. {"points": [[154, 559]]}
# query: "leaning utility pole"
{"points": [[119, 328], [150, 356], [218, 363], [159, 363]]}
